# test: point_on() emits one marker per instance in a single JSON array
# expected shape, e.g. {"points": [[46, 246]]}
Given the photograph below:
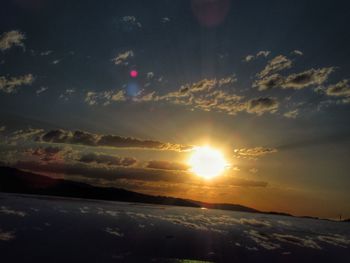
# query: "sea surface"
{"points": [[53, 229]]}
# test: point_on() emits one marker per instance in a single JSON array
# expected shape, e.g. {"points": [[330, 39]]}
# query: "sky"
{"points": [[120, 93]]}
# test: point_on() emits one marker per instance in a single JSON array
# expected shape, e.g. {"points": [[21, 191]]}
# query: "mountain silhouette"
{"points": [[13, 180]]}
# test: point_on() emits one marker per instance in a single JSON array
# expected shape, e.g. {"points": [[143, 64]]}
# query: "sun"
{"points": [[207, 162]]}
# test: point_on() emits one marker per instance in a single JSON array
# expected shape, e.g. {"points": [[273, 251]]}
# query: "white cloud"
{"points": [[122, 58], [297, 52], [10, 39], [7, 211], [10, 85], [292, 114], [41, 90], [262, 53]]}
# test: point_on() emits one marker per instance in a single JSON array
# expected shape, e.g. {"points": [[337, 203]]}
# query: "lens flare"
{"points": [[134, 73]]}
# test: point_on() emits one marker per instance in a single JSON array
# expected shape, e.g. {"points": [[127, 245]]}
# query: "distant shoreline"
{"points": [[15, 181]]}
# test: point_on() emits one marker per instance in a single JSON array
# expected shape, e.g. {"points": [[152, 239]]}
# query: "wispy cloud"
{"points": [[7, 211], [262, 53], [41, 90], [122, 58], [254, 152], [104, 97], [291, 114]]}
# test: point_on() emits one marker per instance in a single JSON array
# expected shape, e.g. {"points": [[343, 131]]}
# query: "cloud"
{"points": [[249, 58], [11, 85], [130, 177], [41, 90], [56, 61], [67, 94], [6, 236], [262, 53], [10, 39], [340, 89], [269, 82], [104, 97], [130, 22], [260, 106], [49, 153], [275, 65], [24, 135], [165, 165], [206, 95], [254, 152], [165, 19], [291, 114], [150, 75], [297, 52], [7, 211], [46, 53], [114, 231], [122, 58], [307, 78], [90, 139], [296, 81], [107, 159]]}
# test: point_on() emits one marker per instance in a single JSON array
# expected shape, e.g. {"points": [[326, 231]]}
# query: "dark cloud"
{"points": [[111, 174], [90, 139], [261, 105], [301, 80], [165, 165], [46, 154], [269, 82], [307, 78], [107, 159]]}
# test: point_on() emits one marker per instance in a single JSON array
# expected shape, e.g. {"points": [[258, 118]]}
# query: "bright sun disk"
{"points": [[207, 162]]}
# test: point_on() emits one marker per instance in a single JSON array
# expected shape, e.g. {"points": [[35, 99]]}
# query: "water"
{"points": [[48, 229]]}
